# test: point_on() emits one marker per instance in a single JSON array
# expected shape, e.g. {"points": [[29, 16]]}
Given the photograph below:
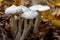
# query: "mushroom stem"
{"points": [[12, 25], [37, 23], [26, 29], [19, 33], [15, 27]]}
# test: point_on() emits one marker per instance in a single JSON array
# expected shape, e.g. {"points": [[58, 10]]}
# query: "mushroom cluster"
{"points": [[39, 8], [27, 13], [16, 9]]}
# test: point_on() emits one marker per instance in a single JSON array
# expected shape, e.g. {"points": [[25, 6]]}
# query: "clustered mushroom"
{"points": [[39, 8], [26, 13]]}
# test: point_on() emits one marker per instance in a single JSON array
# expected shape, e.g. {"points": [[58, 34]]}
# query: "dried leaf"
{"points": [[56, 22], [57, 4], [1, 1]]}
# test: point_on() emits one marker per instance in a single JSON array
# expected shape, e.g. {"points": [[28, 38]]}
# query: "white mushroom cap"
{"points": [[22, 8], [39, 7], [11, 10], [16, 9], [30, 14], [35, 7]]}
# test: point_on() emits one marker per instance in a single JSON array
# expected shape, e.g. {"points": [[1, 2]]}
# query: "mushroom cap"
{"points": [[16, 9], [39, 7], [11, 10], [30, 14], [22, 8]]}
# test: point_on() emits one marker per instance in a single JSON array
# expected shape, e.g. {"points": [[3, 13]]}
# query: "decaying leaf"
{"points": [[1, 1]]}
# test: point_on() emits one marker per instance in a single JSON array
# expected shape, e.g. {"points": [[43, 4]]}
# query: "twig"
{"points": [[4, 37], [50, 3], [5, 19]]}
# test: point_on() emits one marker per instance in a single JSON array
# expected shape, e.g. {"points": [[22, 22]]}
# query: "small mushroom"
{"points": [[21, 9], [28, 15], [39, 8], [12, 10]]}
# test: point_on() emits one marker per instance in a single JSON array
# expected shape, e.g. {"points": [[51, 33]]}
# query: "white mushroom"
{"points": [[12, 10], [35, 7], [38, 8], [16, 9], [20, 9], [30, 14]]}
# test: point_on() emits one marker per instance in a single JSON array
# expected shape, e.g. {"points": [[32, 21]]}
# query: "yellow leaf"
{"points": [[56, 23], [1, 1], [52, 4], [44, 14], [57, 4], [50, 16]]}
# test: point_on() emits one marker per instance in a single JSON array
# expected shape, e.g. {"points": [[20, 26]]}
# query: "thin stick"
{"points": [[4, 37], [50, 3]]}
